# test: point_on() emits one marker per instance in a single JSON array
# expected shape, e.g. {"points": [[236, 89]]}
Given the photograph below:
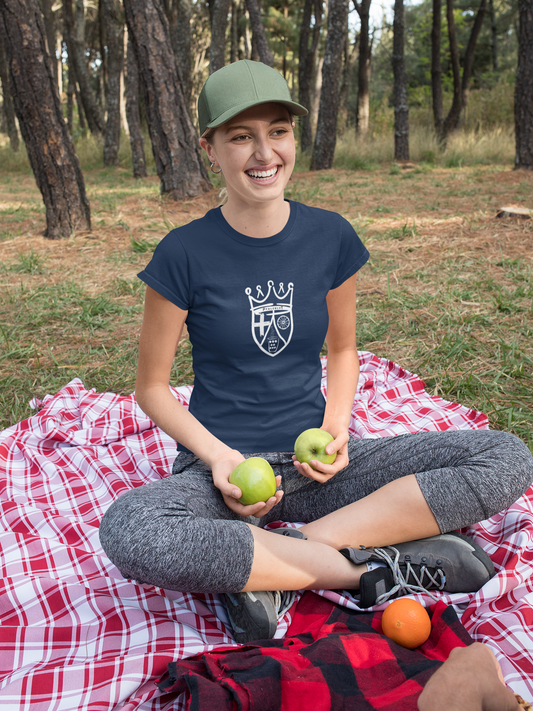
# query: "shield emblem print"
{"points": [[272, 322]]}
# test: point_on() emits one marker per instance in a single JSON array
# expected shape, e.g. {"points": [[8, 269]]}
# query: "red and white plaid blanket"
{"points": [[75, 635]]}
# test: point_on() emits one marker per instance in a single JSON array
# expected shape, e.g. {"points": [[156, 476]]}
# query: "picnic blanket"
{"points": [[75, 635], [332, 658]]}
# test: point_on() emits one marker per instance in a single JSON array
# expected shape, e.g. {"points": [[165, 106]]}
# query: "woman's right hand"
{"points": [[221, 468]]}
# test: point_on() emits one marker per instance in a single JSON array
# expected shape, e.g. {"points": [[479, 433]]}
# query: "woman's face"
{"points": [[256, 152]]}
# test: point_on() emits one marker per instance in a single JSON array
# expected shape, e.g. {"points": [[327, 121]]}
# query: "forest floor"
{"points": [[448, 292]]}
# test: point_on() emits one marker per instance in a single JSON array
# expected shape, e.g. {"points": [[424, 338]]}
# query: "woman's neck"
{"points": [[257, 220]]}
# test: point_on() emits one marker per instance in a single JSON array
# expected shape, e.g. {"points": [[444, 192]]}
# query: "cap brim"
{"points": [[292, 106]]}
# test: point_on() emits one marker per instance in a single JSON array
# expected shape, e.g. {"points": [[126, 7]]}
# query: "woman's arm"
{"points": [[343, 374], [160, 334]]}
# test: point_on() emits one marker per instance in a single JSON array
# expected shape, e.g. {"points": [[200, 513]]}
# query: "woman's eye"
{"points": [[241, 138], [280, 132]]}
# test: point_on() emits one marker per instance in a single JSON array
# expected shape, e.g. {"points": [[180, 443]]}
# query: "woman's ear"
{"points": [[207, 148]]}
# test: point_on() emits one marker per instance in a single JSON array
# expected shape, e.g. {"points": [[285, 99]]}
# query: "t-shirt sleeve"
{"points": [[168, 271], [352, 254]]}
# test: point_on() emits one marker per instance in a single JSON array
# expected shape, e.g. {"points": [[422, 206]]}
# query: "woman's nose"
{"points": [[263, 149]]}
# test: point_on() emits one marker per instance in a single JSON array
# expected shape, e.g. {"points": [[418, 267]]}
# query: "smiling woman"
{"points": [[261, 282]]}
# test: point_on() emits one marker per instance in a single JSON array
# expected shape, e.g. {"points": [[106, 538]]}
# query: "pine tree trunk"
{"points": [[460, 84], [523, 105], [75, 40], [326, 130], [363, 79], [401, 107], [48, 143], [50, 28], [451, 121], [436, 70], [178, 160], [9, 109], [133, 113], [219, 25], [307, 66], [113, 17], [469, 53], [494, 36], [259, 34]]}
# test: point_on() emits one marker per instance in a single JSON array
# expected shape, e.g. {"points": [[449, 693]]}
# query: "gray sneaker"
{"points": [[449, 562], [255, 615]]}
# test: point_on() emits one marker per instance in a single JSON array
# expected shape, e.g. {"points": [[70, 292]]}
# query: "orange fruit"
{"points": [[406, 622]]}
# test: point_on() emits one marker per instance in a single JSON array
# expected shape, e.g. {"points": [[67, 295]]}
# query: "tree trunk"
{"points": [[259, 34], [307, 66], [523, 105], [178, 160], [460, 84], [436, 70], [401, 107], [9, 109], [75, 41], [48, 142], [133, 113], [326, 131], [50, 28], [494, 37], [469, 54], [113, 18], [219, 24], [451, 121], [363, 80]]}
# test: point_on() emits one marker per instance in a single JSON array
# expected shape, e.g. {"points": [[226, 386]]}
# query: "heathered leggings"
{"points": [[177, 533]]}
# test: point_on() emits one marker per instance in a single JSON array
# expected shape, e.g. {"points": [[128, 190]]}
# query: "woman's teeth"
{"points": [[262, 173]]}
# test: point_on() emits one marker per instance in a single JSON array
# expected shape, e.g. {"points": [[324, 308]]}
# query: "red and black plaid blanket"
{"points": [[332, 659]]}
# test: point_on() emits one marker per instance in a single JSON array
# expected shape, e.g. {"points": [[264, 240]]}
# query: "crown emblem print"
{"points": [[272, 322]]}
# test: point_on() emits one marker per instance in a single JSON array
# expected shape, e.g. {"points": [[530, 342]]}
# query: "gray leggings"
{"points": [[177, 533]]}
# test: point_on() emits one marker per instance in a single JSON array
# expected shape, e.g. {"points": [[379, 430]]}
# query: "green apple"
{"points": [[255, 478], [312, 444]]}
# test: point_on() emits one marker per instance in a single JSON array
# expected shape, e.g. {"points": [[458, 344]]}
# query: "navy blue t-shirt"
{"points": [[257, 319]]}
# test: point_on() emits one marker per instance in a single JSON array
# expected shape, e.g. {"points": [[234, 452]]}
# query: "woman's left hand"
{"points": [[324, 472]]}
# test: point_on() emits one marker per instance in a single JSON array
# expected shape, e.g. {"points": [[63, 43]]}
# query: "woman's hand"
{"points": [[324, 472], [221, 468]]}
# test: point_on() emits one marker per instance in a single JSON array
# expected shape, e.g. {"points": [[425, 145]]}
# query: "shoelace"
{"points": [[401, 584], [283, 600]]}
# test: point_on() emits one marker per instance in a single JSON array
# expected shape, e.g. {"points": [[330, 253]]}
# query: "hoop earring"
{"points": [[216, 172]]}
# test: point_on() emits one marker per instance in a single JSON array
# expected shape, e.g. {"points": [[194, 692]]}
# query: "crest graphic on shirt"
{"points": [[272, 322]]}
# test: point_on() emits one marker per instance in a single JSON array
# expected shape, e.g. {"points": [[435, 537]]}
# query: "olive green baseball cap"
{"points": [[239, 86]]}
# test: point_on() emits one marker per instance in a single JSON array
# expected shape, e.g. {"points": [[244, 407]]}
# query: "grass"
{"points": [[448, 292]]}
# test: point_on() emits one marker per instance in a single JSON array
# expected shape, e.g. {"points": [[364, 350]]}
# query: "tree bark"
{"points": [[363, 79], [178, 160], [469, 54], [48, 142], [451, 121], [326, 130], [50, 28], [113, 17], [75, 41], [219, 25], [259, 34], [401, 107], [494, 36], [307, 66], [436, 69], [523, 105], [460, 84], [133, 113], [9, 109]]}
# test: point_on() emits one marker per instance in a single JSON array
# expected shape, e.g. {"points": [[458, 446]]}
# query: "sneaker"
{"points": [[255, 615], [449, 562]]}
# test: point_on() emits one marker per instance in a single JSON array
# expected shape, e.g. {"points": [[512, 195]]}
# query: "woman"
{"points": [[260, 283]]}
